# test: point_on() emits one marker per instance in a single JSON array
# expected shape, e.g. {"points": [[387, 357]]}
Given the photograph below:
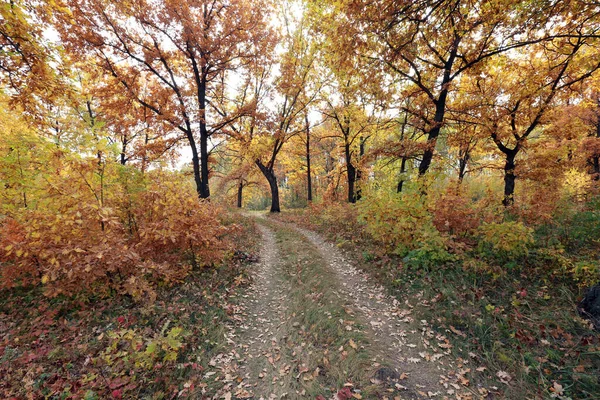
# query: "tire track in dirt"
{"points": [[418, 355], [256, 364], [267, 359]]}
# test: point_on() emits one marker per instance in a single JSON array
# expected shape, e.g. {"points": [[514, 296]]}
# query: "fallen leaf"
{"points": [[557, 388], [504, 376]]}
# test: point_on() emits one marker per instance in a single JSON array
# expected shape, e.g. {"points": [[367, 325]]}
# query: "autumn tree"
{"points": [[141, 137], [404, 36], [237, 169], [325, 155], [587, 112], [399, 145], [306, 138], [30, 66], [465, 134], [173, 58], [518, 93], [353, 118], [294, 90]]}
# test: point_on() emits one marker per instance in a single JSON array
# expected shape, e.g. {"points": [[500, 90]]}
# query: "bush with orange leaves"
{"points": [[86, 247], [454, 214], [458, 215], [173, 226]]}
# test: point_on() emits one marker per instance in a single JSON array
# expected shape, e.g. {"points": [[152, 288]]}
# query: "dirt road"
{"points": [[313, 326]]}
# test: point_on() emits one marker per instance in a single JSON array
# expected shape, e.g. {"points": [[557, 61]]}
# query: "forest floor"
{"points": [[313, 326], [306, 319]]}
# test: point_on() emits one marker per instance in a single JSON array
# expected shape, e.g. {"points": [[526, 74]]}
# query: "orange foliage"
{"points": [[171, 221], [454, 214], [538, 205], [590, 146], [88, 247]]}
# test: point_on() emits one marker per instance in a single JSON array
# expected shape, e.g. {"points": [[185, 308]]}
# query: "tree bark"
{"points": [[361, 153], [463, 161], [239, 194], [269, 174], [196, 165], [204, 190], [124, 151], [402, 171], [596, 168], [509, 179], [509, 166], [351, 174], [308, 173], [440, 110]]}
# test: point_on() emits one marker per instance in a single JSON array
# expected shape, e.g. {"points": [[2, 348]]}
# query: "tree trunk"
{"points": [[596, 168], [351, 171], [239, 194], [274, 193], [402, 171], [433, 134], [272, 179], [509, 179], [462, 165], [124, 151], [361, 153], [196, 165], [204, 190], [440, 110], [308, 174]]}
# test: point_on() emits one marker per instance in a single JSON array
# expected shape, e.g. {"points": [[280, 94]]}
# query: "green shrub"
{"points": [[504, 241], [582, 230], [404, 226], [576, 226], [586, 273]]}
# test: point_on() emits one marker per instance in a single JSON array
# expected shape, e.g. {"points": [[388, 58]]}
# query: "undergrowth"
{"points": [[509, 307], [100, 348]]}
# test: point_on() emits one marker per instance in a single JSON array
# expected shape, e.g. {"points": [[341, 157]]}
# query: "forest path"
{"points": [[312, 325]]}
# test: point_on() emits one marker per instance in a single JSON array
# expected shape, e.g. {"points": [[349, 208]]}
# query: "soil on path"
{"points": [[413, 350], [313, 325]]}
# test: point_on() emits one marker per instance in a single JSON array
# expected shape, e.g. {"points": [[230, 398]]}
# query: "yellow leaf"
{"points": [[45, 279]]}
